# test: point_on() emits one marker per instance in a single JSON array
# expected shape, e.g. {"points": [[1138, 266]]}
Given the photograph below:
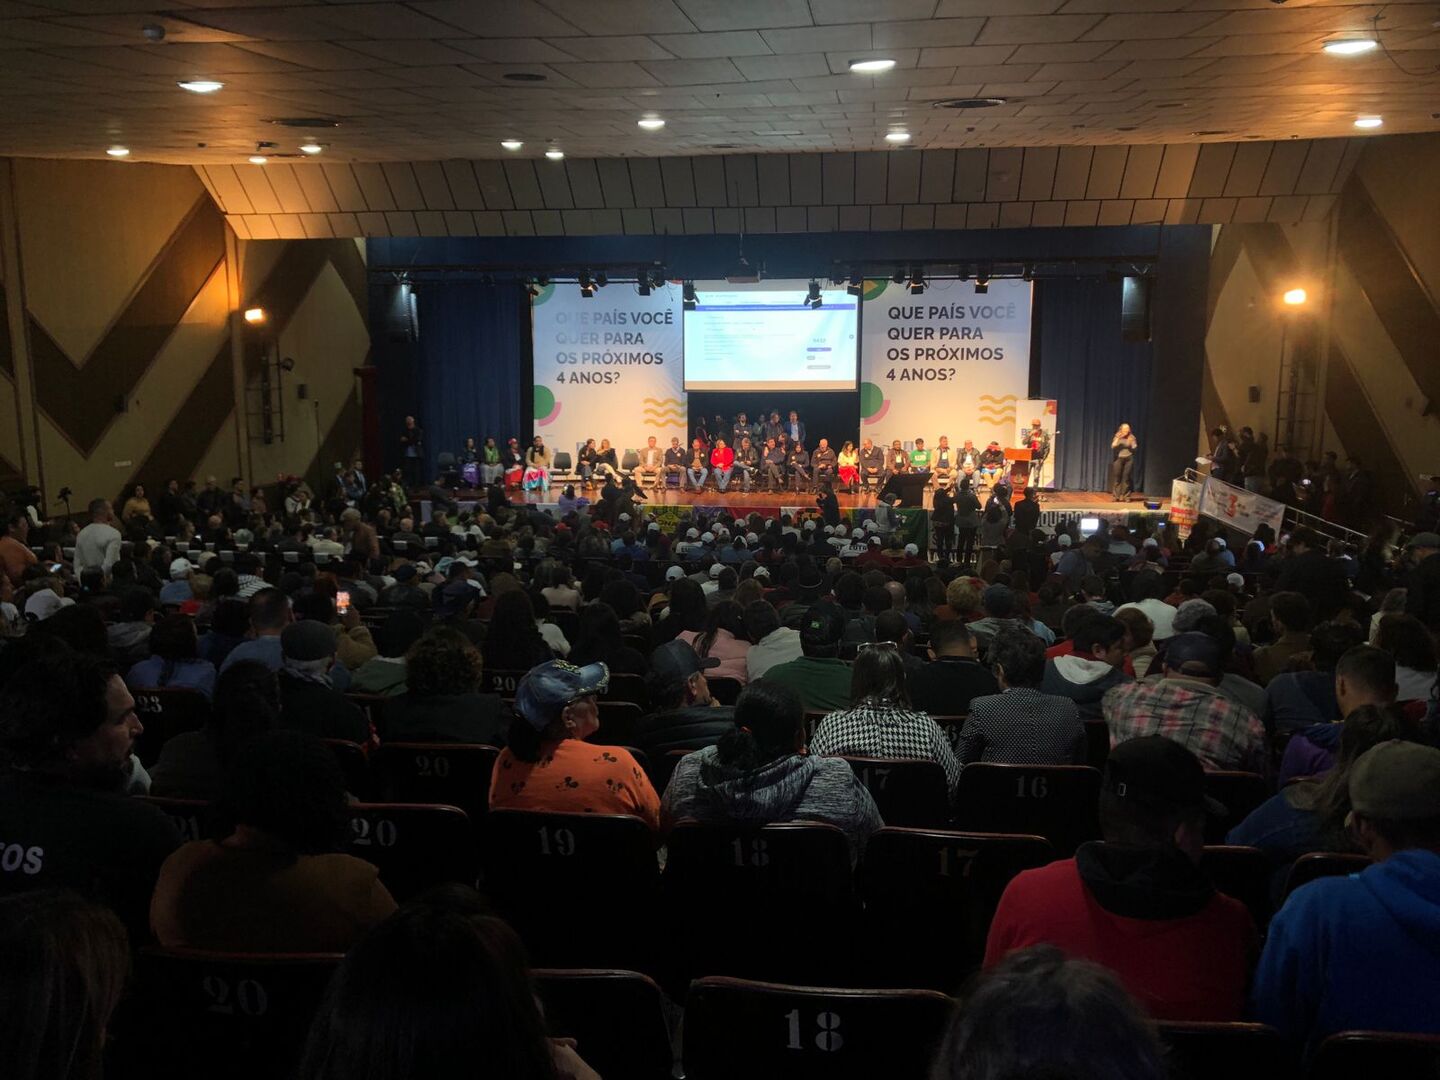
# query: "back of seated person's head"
{"points": [[769, 724], [998, 601], [1331, 640], [1138, 626], [890, 625], [1018, 657], [136, 605], [1364, 675], [1153, 796], [1292, 610], [877, 600], [442, 662], [788, 574], [822, 629], [849, 590], [231, 618], [1093, 1029], [79, 626], [1189, 587], [92, 581], [173, 638], [316, 604], [1190, 612], [1148, 586], [1073, 617], [728, 579], [64, 712], [878, 676], [761, 620], [435, 990], [962, 596], [247, 704], [66, 959], [1048, 594], [269, 609], [952, 638], [1395, 798], [1220, 631], [224, 582], [1098, 635], [288, 786], [1408, 640], [1092, 585], [1222, 600]]}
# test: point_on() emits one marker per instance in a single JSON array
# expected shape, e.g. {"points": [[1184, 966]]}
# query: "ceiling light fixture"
{"points": [[258, 159], [511, 144], [812, 296], [651, 123], [856, 287], [897, 136], [1294, 297], [871, 66], [118, 151], [200, 86], [312, 148], [1368, 121], [688, 299], [982, 281], [587, 284], [917, 281], [555, 154], [255, 315], [1350, 46], [898, 277]]}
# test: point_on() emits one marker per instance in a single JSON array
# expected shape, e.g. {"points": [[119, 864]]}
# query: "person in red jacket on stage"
{"points": [[1139, 904], [722, 464]]}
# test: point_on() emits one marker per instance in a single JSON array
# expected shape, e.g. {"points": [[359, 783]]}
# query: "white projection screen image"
{"points": [[766, 336]]}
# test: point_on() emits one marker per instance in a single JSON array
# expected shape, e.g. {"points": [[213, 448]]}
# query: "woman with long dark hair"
{"points": [[688, 611], [513, 641], [174, 660], [724, 638], [192, 764], [600, 642]]}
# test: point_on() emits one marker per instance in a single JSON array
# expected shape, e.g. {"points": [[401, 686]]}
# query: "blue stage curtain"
{"points": [[1099, 380], [472, 363]]}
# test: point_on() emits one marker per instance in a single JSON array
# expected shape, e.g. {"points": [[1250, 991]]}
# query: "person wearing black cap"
{"points": [[1188, 706], [406, 591], [1422, 594], [686, 717], [308, 699], [820, 677], [1139, 904], [546, 764]]}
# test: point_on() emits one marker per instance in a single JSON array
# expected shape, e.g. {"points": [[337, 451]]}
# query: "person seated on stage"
{"points": [[585, 462], [823, 462], [607, 464], [774, 464], [967, 459], [513, 463], [468, 454], [898, 460], [722, 464], [538, 463], [490, 468], [942, 462], [740, 431], [848, 465], [992, 463], [919, 457], [799, 462], [652, 462], [675, 460], [747, 460], [872, 463], [697, 469]]}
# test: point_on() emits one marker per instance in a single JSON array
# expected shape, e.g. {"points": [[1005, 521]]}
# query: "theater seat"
{"points": [[1058, 802], [629, 687], [354, 763], [1241, 792], [446, 774], [909, 792], [1321, 864], [164, 713], [413, 846], [725, 690], [221, 1015], [1211, 1051], [192, 818], [1377, 1055], [914, 880], [501, 681], [738, 1028], [615, 1017], [1244, 873]]}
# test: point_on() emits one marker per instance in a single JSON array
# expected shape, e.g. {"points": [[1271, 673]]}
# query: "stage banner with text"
{"points": [[1239, 508], [946, 362], [608, 367], [1184, 505]]}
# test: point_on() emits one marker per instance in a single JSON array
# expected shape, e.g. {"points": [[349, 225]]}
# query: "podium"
{"points": [[1018, 460], [909, 487]]}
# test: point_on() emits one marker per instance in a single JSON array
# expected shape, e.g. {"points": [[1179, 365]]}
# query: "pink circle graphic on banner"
{"points": [[546, 407]]}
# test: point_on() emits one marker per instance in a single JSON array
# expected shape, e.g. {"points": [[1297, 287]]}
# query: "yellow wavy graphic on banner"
{"points": [[663, 401], [998, 400], [998, 409]]}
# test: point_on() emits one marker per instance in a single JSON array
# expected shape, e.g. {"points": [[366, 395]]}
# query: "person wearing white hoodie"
{"points": [[1094, 667]]}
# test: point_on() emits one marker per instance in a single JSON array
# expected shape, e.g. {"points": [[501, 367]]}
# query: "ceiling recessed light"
{"points": [[311, 148], [200, 86], [1350, 46], [968, 103], [870, 67], [511, 144], [1368, 121], [118, 151], [524, 76], [258, 159], [651, 123], [897, 136], [555, 155]]}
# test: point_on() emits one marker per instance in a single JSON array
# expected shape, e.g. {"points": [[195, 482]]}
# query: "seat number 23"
{"points": [[827, 1037]]}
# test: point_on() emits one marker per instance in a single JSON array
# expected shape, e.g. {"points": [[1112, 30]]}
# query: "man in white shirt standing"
{"points": [[98, 545]]}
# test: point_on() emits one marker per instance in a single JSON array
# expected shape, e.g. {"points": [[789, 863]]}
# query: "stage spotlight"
{"points": [[857, 284], [688, 299], [1027, 272], [642, 281], [899, 276], [587, 284], [982, 282], [813, 297], [602, 279], [658, 277], [543, 280], [917, 281]]}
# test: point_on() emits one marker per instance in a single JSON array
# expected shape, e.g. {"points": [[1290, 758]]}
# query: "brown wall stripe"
{"points": [[1223, 257], [192, 429], [1212, 406], [341, 444], [1357, 426], [1406, 309], [7, 357], [82, 399]]}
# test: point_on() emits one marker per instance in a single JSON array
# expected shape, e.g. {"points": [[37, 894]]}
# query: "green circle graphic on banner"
{"points": [[546, 291], [544, 402], [874, 287], [872, 399]]}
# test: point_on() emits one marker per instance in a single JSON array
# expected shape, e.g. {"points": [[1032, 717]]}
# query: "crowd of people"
{"points": [[771, 649]]}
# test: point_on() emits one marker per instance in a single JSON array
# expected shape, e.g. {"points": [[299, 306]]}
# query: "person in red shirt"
{"points": [[722, 464], [1139, 904]]}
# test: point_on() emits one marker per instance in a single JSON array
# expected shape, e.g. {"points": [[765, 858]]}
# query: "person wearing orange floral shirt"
{"points": [[547, 765]]}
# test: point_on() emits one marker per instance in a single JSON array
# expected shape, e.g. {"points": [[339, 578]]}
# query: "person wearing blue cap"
{"points": [[546, 764]]}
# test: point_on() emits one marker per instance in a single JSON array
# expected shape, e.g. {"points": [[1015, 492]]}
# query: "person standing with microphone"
{"points": [[1122, 462]]}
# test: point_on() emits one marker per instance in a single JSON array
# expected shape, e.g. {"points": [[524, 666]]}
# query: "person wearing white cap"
{"points": [[177, 590], [45, 603]]}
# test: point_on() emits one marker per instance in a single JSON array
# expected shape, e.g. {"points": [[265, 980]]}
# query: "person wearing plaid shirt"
{"points": [[1187, 707], [882, 724]]}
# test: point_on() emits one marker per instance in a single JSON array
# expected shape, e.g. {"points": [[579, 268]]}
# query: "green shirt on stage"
{"points": [[920, 459]]}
